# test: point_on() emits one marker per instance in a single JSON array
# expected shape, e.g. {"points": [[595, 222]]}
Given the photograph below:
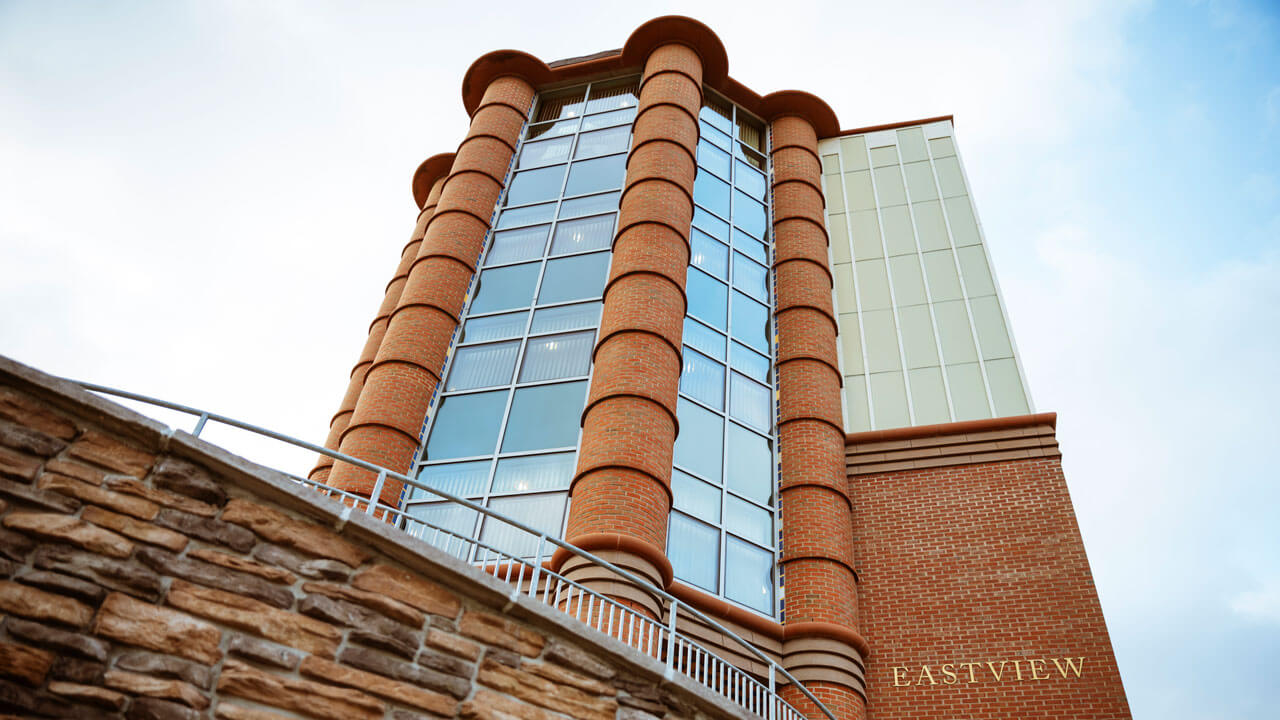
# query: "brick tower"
{"points": [[757, 359]]}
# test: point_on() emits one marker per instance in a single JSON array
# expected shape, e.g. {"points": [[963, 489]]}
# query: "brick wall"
{"points": [[969, 553], [158, 577]]}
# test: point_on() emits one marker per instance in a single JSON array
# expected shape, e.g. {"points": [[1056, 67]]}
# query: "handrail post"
{"points": [[537, 565], [377, 491], [773, 691], [204, 417], [671, 636]]}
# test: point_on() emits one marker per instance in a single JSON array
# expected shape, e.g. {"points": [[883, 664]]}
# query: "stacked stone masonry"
{"points": [[155, 577]]}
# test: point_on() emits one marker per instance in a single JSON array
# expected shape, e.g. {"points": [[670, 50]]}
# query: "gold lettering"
{"points": [[924, 673], [992, 666], [900, 676], [970, 666], [1017, 666], [1035, 671], [1070, 665], [949, 674]]}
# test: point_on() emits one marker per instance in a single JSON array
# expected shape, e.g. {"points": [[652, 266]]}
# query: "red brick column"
{"points": [[621, 492], [821, 646], [338, 424], [387, 422]]}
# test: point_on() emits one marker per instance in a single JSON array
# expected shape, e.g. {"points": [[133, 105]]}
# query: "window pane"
{"points": [[749, 521], [748, 576], [701, 439], [714, 159], [505, 288], [477, 366], [603, 142], [544, 152], [544, 513], [711, 193], [716, 117], [750, 465], [613, 95], [695, 497], [531, 186], [588, 176], [494, 327], [702, 379], [562, 104], [534, 473], [752, 363], [703, 338], [526, 215], [750, 322], [589, 205], [749, 180], [574, 278], [714, 226], [553, 129], [515, 245], [567, 317], [749, 214], [454, 518], [750, 247], [466, 480], [754, 158], [466, 425], [750, 278], [593, 233], [694, 551], [750, 402], [557, 356], [706, 298], [709, 254], [617, 117], [545, 416]]}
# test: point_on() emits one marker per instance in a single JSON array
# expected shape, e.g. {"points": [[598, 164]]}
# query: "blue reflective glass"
{"points": [[487, 365], [714, 226], [531, 186], [750, 247], [708, 254], [702, 379], [533, 473], [457, 519], [544, 417], [707, 300], [753, 364], [703, 338], [750, 402], [749, 180], [578, 277], [749, 214], [750, 464], [603, 142], [714, 159], [701, 440], [544, 513], [750, 278], [515, 217], [750, 322], [566, 317], [466, 425], [591, 233], [694, 551], [590, 176], [505, 288], [556, 128], [715, 120], [589, 205], [695, 497], [748, 576], [494, 327], [711, 193], [544, 152], [515, 245], [465, 479], [617, 117], [749, 521]]}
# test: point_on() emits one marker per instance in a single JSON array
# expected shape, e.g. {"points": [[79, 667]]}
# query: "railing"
{"points": [[521, 555]]}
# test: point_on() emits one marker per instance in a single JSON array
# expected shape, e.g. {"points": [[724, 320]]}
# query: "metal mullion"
{"points": [[770, 247]]}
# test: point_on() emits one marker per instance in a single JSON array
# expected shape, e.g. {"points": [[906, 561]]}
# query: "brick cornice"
{"points": [[970, 442]]}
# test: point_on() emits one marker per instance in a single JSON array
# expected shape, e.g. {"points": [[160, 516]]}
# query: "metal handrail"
{"points": [[679, 652]]}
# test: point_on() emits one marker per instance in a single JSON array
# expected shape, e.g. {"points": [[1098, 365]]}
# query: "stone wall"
{"points": [[149, 575]]}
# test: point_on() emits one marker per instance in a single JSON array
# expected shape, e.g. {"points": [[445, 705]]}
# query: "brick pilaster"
{"points": [[821, 645], [621, 492], [342, 419], [387, 421]]}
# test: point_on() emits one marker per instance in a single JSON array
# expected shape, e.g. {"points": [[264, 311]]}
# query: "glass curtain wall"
{"points": [[722, 535], [504, 429]]}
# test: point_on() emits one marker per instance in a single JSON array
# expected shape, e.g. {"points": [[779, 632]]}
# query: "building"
{"points": [[755, 358]]}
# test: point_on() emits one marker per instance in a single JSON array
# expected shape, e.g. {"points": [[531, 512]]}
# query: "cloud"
{"points": [[1261, 605]]}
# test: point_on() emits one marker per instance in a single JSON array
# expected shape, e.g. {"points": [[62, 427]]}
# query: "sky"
{"points": [[203, 201]]}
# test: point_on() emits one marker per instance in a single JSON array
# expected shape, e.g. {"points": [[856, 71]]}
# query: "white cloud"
{"points": [[1261, 605]]}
